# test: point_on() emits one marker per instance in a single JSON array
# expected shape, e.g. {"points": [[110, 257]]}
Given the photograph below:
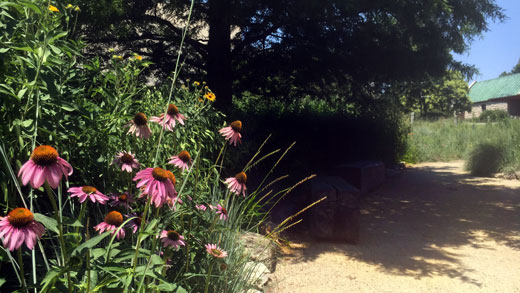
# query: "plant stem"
{"points": [[208, 278], [57, 214], [20, 264]]}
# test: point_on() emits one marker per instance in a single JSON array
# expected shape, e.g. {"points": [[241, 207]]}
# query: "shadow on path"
{"points": [[414, 223]]}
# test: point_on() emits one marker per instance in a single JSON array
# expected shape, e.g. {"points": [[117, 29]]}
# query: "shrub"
{"points": [[493, 116], [486, 158]]}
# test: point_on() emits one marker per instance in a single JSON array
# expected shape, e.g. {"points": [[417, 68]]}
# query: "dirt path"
{"points": [[433, 229]]}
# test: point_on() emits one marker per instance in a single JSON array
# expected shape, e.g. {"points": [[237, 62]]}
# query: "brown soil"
{"points": [[432, 229]]}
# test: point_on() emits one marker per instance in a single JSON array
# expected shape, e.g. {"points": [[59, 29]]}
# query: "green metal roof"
{"points": [[505, 86]]}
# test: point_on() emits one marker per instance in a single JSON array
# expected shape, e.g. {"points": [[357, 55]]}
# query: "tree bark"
{"points": [[219, 54]]}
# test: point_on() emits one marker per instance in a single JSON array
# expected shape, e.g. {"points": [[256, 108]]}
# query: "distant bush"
{"points": [[434, 115], [486, 158], [493, 116]]}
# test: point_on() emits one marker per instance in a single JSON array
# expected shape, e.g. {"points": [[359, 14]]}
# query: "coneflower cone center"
{"points": [[20, 217], [114, 218], [88, 189], [127, 159], [184, 156], [224, 211], [140, 119], [241, 178], [160, 174], [173, 235], [216, 251], [236, 125], [122, 197], [171, 177], [172, 110], [44, 155]]}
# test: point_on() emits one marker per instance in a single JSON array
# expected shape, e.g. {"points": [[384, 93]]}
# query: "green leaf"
{"points": [[169, 287], [50, 277], [2, 281], [72, 222], [60, 35], [48, 222], [3, 50], [32, 6], [90, 243]]}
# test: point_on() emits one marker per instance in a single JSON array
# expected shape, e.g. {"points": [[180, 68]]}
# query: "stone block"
{"points": [[337, 217], [364, 175]]}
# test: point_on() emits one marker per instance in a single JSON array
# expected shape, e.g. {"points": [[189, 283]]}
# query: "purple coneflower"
{"points": [[216, 251], [126, 161], [112, 221], [88, 191], [124, 200], [139, 126], [200, 207], [158, 183], [171, 115], [45, 164], [222, 212], [237, 184], [172, 238], [134, 224], [18, 227], [182, 160], [232, 132]]}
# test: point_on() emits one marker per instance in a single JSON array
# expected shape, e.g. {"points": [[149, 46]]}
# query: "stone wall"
{"points": [[476, 109]]}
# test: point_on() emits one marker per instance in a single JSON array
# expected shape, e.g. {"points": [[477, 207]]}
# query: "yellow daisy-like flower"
{"points": [[210, 96], [69, 6], [138, 57], [53, 8], [76, 8], [119, 57], [196, 83]]}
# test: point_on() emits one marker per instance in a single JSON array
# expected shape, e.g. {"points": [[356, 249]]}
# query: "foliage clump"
{"points": [[486, 158]]}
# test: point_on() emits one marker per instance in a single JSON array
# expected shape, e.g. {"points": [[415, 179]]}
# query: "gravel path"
{"points": [[433, 229]]}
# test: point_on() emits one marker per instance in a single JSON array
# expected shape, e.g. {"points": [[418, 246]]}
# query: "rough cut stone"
{"points": [[364, 175], [260, 249], [337, 217]]}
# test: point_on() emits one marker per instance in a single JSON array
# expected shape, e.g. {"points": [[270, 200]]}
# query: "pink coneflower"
{"points": [[182, 160], [134, 224], [232, 132], [126, 161], [124, 200], [237, 184], [172, 238], [200, 207], [112, 221], [171, 115], [88, 191], [222, 212], [216, 251], [158, 183], [139, 126], [45, 164], [18, 227]]}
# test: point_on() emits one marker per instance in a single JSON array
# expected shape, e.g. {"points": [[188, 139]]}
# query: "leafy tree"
{"points": [[295, 47], [516, 69], [438, 95]]}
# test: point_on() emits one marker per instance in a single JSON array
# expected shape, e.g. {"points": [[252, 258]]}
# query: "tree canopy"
{"points": [[288, 48]]}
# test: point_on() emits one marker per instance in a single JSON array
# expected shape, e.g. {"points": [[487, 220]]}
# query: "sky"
{"points": [[499, 48]]}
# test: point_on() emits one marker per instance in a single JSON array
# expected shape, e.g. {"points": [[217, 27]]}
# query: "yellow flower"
{"points": [[196, 83], [138, 57], [205, 87], [53, 8], [76, 8], [69, 6], [210, 96], [119, 57]]}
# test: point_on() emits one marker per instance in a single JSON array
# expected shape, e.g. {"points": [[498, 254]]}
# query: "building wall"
{"points": [[476, 109], [514, 107]]}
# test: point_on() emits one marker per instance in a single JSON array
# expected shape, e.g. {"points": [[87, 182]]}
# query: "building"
{"points": [[502, 93]]}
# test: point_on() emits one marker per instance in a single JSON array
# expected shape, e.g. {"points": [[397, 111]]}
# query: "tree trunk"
{"points": [[219, 54]]}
